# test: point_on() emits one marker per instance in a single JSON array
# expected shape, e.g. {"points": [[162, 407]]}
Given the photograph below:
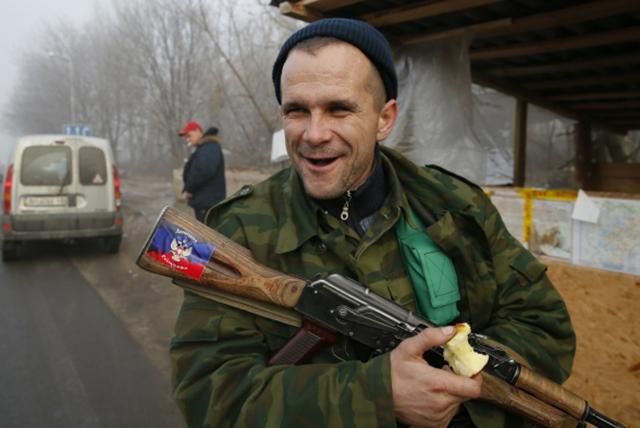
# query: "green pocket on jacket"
{"points": [[432, 273]]}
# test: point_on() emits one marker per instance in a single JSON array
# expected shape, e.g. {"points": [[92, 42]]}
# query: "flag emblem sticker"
{"points": [[179, 250]]}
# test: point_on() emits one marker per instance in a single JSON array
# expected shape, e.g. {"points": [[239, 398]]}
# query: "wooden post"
{"points": [[583, 164], [520, 143]]}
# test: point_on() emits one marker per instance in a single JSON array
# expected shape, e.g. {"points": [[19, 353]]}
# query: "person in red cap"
{"points": [[203, 174]]}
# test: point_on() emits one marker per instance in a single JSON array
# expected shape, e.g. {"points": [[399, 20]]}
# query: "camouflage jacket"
{"points": [[219, 354]]}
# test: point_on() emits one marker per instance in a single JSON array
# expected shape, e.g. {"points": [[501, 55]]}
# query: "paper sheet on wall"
{"points": [[585, 209], [612, 242]]}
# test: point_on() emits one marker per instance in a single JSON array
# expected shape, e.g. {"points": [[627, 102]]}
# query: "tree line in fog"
{"points": [[137, 72]]}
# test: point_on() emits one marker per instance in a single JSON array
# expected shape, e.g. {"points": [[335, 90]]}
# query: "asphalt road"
{"points": [[66, 359]]}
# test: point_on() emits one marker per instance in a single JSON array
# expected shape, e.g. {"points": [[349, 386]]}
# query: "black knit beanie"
{"points": [[357, 33]]}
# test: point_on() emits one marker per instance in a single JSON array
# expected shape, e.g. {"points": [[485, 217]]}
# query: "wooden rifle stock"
{"points": [[209, 262], [550, 391], [220, 263], [509, 397]]}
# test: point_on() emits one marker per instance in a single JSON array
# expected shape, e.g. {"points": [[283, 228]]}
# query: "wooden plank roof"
{"points": [[578, 58]]}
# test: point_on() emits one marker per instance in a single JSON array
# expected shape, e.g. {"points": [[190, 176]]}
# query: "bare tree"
{"points": [[245, 42], [168, 53], [111, 91]]}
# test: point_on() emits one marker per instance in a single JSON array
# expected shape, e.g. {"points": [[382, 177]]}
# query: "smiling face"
{"points": [[333, 116]]}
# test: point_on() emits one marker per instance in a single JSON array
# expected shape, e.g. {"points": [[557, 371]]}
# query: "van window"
{"points": [[93, 166], [46, 166]]}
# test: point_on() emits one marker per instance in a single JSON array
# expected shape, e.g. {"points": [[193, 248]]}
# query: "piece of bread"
{"points": [[461, 357]]}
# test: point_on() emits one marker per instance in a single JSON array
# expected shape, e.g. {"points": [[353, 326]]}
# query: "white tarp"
{"points": [[435, 109], [278, 147], [468, 129]]}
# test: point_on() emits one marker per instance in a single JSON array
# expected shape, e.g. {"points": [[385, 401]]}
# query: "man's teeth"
{"points": [[321, 161]]}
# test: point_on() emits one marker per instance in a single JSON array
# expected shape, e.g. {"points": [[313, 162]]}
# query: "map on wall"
{"points": [[613, 241], [551, 227]]}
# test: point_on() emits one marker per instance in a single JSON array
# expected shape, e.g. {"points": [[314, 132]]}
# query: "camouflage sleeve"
{"points": [[221, 378], [529, 314]]}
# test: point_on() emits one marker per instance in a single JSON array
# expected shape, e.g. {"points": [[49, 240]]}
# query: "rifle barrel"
{"points": [[598, 419]]}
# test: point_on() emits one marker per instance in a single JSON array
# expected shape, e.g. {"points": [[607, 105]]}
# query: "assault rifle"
{"points": [[211, 265]]}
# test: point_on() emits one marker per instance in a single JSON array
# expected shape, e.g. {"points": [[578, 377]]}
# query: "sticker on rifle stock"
{"points": [[179, 250]]}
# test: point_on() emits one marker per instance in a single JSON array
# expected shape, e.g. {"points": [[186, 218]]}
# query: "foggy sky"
{"points": [[20, 23]]}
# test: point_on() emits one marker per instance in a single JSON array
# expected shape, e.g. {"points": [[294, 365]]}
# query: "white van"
{"points": [[58, 187]]}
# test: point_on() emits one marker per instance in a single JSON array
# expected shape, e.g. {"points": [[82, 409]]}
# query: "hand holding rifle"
{"points": [[414, 381]]}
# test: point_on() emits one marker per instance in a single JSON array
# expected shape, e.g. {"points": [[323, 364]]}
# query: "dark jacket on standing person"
{"points": [[203, 174]]}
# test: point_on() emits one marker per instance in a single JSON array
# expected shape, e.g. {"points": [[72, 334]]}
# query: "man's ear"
{"points": [[387, 119]]}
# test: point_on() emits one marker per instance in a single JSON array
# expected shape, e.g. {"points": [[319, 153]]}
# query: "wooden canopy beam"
{"points": [[571, 15], [590, 40], [513, 91], [585, 81], [327, 5], [620, 105], [571, 66], [521, 93], [470, 30], [627, 126], [423, 9], [298, 10], [624, 122], [520, 143], [596, 96], [543, 21], [615, 114], [582, 149]]}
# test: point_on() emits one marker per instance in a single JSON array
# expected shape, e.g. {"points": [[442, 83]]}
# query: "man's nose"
{"points": [[317, 130]]}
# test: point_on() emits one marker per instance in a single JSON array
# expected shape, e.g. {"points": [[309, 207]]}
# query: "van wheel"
{"points": [[112, 244], [9, 251]]}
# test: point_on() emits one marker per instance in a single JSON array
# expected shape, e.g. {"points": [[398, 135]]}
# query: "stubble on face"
{"points": [[330, 118]]}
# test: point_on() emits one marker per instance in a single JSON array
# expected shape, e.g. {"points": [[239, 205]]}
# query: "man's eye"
{"points": [[293, 110], [339, 109]]}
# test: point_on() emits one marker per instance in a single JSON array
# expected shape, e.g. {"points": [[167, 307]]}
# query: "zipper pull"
{"points": [[344, 215]]}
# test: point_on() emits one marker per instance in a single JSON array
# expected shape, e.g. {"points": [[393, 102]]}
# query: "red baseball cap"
{"points": [[188, 127]]}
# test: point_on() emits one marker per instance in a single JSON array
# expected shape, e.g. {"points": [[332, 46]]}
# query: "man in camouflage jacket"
{"points": [[336, 211]]}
